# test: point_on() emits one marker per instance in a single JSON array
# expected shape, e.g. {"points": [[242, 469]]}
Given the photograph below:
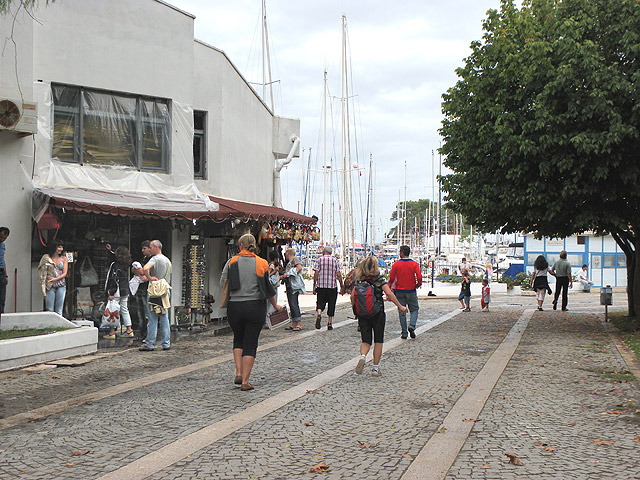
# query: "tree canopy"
{"points": [[416, 216], [541, 130]]}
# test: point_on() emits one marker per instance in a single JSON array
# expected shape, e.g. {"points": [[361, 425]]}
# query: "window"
{"points": [[622, 260], [199, 143], [96, 127], [610, 260], [581, 239]]}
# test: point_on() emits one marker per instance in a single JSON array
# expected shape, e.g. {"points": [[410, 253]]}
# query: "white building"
{"points": [[142, 132], [606, 261]]}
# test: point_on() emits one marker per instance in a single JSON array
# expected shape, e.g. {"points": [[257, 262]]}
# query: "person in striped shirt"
{"points": [[326, 272]]}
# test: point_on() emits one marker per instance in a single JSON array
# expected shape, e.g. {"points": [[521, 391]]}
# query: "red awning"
{"points": [[228, 210]]}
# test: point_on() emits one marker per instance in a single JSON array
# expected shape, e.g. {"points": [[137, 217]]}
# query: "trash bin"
{"points": [[606, 295]]}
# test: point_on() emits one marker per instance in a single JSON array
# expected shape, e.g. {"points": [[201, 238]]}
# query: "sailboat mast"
{"points": [[265, 40], [343, 155], [324, 158]]}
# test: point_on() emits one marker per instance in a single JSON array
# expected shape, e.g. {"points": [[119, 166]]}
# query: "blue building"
{"points": [[607, 262]]}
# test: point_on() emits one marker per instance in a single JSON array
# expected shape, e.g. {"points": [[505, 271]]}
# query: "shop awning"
{"points": [[153, 205]]}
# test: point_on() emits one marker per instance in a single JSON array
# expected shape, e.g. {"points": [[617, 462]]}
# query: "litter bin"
{"points": [[606, 299]]}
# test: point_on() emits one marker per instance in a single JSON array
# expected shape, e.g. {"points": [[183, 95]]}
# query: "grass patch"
{"points": [[6, 334], [615, 375], [628, 328]]}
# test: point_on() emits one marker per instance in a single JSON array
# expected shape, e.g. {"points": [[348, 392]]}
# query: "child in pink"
{"points": [[486, 295]]}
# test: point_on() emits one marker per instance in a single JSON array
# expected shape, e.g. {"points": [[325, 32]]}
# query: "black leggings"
{"points": [[246, 320], [375, 323]]}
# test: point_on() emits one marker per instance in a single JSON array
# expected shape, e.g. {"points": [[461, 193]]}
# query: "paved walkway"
{"points": [[558, 396]]}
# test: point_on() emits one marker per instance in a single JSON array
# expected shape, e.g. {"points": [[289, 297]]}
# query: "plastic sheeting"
{"points": [[120, 139]]}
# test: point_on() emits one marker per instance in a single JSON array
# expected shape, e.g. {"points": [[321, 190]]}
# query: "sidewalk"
{"points": [[565, 385]]}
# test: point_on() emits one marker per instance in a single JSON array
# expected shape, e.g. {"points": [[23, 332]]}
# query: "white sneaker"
{"points": [[360, 365], [375, 372]]}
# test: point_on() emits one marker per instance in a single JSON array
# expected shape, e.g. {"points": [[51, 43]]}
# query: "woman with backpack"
{"points": [[368, 306]]}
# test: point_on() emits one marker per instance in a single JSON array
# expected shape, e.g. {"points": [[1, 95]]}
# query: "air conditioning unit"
{"points": [[18, 116]]}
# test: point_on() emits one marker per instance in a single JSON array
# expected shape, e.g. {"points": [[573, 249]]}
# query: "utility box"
{"points": [[606, 295]]}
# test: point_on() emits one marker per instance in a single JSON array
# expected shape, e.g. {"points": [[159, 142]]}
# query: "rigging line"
{"points": [[249, 73]]}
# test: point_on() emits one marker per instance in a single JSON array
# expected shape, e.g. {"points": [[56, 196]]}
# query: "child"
{"points": [[372, 327], [486, 294], [539, 280], [465, 291]]}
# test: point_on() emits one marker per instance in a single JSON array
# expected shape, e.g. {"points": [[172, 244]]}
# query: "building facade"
{"points": [[142, 132], [606, 261]]}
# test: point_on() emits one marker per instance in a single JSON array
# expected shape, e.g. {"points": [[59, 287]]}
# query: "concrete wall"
{"points": [[240, 160]]}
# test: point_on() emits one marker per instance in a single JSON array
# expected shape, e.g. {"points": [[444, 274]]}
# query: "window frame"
{"points": [[139, 122], [202, 135]]}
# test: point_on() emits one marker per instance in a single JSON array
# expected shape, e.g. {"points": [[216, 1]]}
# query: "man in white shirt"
{"points": [[583, 276]]}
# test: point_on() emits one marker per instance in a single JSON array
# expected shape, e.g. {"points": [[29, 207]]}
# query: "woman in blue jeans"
{"points": [[52, 273], [293, 267]]}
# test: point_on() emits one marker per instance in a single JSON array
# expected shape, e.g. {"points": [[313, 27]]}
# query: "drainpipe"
{"points": [[280, 164]]}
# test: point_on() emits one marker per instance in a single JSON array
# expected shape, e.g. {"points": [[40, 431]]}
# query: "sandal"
{"points": [[296, 329], [329, 327], [238, 380], [289, 328]]}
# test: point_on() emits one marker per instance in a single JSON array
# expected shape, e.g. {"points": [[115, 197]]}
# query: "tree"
{"points": [[27, 4], [416, 216], [541, 130]]}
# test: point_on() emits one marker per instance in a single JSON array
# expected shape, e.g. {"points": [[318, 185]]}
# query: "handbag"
{"points": [[224, 294], [88, 274], [277, 319]]}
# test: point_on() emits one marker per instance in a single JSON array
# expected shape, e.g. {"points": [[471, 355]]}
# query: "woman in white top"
{"points": [[539, 280]]}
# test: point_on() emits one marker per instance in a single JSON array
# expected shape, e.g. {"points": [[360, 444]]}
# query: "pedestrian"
{"points": [[486, 295], [52, 271], [406, 275], [158, 271], [465, 292], [293, 288], [275, 270], [249, 289], [117, 288], [539, 280], [488, 271], [583, 277], [462, 266], [4, 278], [141, 295], [326, 272], [371, 326], [562, 271]]}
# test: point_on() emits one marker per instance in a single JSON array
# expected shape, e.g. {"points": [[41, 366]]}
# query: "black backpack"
{"points": [[367, 302]]}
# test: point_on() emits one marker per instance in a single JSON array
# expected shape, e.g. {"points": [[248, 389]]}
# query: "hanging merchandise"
{"points": [[88, 274], [48, 221], [193, 275]]}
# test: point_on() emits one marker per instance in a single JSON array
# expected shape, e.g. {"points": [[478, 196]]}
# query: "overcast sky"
{"points": [[403, 55]]}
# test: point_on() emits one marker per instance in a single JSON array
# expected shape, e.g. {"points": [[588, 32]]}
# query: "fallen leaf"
{"points": [[309, 424], [485, 466], [442, 429], [636, 439], [513, 459], [542, 444], [602, 442], [435, 403], [614, 412], [550, 449], [406, 455], [538, 415], [616, 390], [80, 452], [319, 468], [69, 464], [310, 391], [595, 393], [469, 420], [364, 445], [55, 376]]}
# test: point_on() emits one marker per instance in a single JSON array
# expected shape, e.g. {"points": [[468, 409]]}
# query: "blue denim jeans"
{"points": [[410, 299], [158, 321], [294, 306], [54, 299]]}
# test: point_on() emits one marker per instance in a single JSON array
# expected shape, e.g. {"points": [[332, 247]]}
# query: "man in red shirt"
{"points": [[407, 277]]}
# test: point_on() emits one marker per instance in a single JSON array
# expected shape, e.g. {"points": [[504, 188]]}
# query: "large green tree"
{"points": [[541, 130], [416, 216]]}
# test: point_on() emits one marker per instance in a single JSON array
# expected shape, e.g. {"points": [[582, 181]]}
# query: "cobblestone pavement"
{"points": [[559, 388]]}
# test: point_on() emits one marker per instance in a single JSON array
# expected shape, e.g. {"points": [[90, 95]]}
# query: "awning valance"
{"points": [[153, 205]]}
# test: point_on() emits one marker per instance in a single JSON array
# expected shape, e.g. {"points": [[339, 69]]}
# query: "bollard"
{"points": [[606, 299]]}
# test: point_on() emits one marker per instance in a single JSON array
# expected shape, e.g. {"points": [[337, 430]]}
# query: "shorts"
{"points": [[375, 324], [540, 294]]}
